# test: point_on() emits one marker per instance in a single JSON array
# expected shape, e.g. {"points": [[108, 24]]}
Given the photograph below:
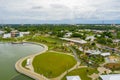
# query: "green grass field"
{"points": [[52, 64], [82, 72], [48, 40], [24, 63], [55, 44]]}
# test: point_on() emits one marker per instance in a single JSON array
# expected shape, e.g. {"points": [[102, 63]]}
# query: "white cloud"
{"points": [[59, 9]]}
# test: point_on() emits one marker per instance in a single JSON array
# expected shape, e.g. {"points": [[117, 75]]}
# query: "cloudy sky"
{"points": [[59, 11]]}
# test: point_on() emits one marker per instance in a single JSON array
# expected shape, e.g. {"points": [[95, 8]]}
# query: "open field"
{"points": [[53, 43], [52, 64], [49, 40], [82, 72]]}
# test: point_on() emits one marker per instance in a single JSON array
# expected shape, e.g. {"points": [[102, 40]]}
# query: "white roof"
{"points": [[28, 61], [116, 40], [76, 41], [80, 48], [93, 52], [96, 52], [105, 54], [90, 37], [69, 33], [73, 78], [8, 35], [25, 32], [1, 32], [111, 77]]}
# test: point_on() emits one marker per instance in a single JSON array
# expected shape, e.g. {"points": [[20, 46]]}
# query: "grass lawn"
{"points": [[49, 40], [82, 72], [55, 44], [52, 64], [24, 63]]}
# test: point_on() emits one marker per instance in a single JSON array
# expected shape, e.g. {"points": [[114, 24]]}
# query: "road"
{"points": [[75, 54], [106, 47]]}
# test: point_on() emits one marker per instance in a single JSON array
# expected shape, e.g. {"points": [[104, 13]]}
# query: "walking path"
{"points": [[75, 54], [107, 47], [28, 72], [63, 74], [74, 67], [101, 70], [30, 66]]}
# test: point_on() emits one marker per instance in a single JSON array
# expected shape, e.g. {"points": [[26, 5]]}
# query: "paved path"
{"points": [[27, 72], [30, 72], [106, 47], [101, 70], [75, 54], [63, 74]]}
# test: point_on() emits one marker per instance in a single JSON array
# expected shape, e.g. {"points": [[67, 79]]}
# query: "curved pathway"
{"points": [[63, 74], [30, 71], [27, 72]]}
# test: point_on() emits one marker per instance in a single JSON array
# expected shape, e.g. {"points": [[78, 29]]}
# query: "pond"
{"points": [[10, 54]]}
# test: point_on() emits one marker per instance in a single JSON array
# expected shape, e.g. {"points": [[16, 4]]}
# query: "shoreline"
{"points": [[32, 74]]}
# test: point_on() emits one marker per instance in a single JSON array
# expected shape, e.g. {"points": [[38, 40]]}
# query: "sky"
{"points": [[59, 11]]}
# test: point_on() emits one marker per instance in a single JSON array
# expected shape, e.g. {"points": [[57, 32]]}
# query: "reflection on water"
{"points": [[21, 77], [9, 54]]}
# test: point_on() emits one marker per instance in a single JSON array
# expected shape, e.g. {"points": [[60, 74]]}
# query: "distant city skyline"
{"points": [[59, 11]]}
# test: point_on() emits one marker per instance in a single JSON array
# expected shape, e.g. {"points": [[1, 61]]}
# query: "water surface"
{"points": [[9, 54]]}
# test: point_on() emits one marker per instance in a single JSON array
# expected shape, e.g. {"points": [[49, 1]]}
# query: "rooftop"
{"points": [[73, 78], [111, 77], [74, 40]]}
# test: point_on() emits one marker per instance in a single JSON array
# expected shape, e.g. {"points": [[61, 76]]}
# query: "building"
{"points": [[75, 41], [116, 40], [81, 49], [93, 52], [97, 52], [15, 33], [110, 77], [91, 38], [21, 34], [68, 34], [8, 35], [1, 32], [105, 54], [73, 78], [98, 31], [112, 59], [28, 62]]}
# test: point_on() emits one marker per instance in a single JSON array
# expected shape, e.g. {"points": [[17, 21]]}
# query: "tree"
{"points": [[109, 40], [60, 34], [7, 29], [102, 40], [118, 34], [76, 35]]}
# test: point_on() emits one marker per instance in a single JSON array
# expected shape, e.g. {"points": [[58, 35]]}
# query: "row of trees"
{"points": [[47, 27]]}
